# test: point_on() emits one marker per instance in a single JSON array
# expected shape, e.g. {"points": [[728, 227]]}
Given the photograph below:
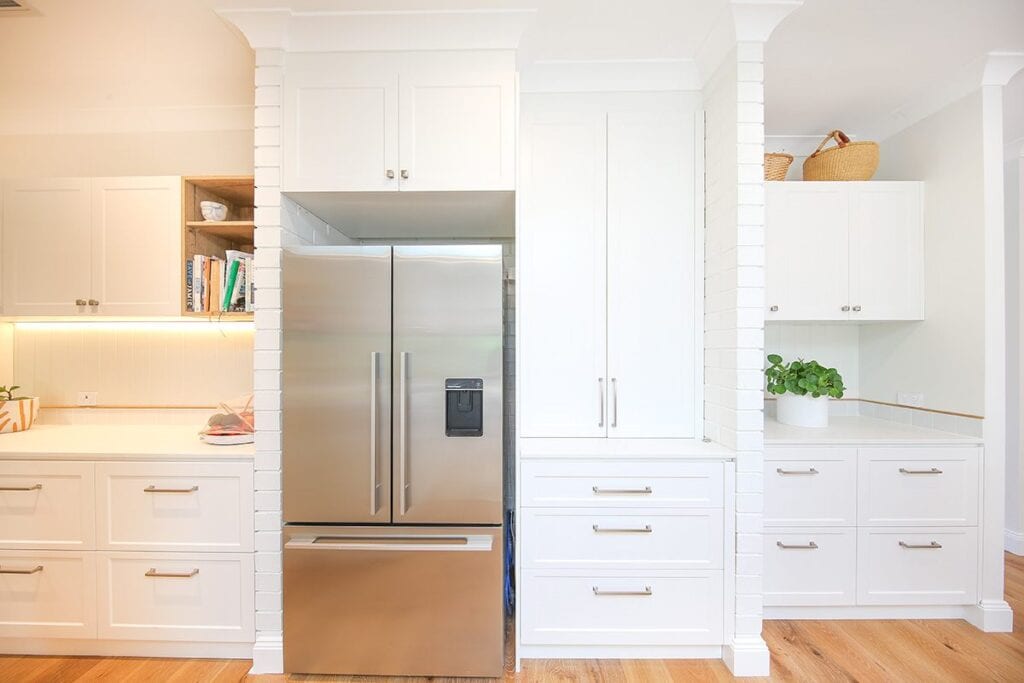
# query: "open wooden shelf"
{"points": [[231, 230]]}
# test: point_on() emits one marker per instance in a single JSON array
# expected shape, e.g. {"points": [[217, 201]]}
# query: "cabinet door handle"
{"points": [[600, 401], [920, 546], [645, 591], [645, 529], [844, 309], [599, 491], [390, 174], [797, 546], [932, 470], [857, 309], [34, 487], [81, 302], [94, 302], [810, 470], [153, 489], [374, 486], [405, 174], [171, 575], [34, 570], [773, 309], [615, 403]]}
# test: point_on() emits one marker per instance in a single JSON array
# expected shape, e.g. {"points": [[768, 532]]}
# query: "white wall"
{"points": [[943, 356], [836, 346]]}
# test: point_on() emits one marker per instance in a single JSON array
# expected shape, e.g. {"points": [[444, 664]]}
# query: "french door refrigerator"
{"points": [[392, 460]]}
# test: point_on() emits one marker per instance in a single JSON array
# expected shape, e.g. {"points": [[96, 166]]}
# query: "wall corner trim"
{"points": [[268, 655], [747, 656], [991, 616], [1001, 67]]}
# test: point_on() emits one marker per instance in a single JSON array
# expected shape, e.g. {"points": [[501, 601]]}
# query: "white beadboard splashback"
{"points": [[134, 365], [836, 346]]}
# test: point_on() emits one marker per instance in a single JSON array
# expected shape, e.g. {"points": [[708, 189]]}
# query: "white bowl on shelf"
{"points": [[213, 211]]}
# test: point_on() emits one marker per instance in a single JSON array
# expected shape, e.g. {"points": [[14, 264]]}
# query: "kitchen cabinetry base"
{"points": [[120, 648], [620, 652], [854, 612], [747, 657], [991, 616]]}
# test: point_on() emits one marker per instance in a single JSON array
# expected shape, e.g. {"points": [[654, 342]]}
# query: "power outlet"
{"points": [[908, 398], [86, 398]]}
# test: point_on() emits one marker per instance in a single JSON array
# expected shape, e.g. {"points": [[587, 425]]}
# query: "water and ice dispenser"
{"points": [[464, 407]]}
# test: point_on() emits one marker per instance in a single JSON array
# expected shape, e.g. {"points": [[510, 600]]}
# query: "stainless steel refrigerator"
{"points": [[392, 467]]}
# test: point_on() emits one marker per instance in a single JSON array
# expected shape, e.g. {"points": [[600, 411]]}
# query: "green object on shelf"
{"points": [[230, 285]]}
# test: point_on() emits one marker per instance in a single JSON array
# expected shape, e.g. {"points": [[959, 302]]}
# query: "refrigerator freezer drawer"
{"points": [[394, 601]]}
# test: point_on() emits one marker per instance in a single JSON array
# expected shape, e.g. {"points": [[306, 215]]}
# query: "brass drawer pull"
{"points": [[933, 470], [171, 575], [153, 489], [809, 546], [920, 546], [599, 491], [645, 529], [810, 470], [646, 591], [34, 487], [35, 570]]}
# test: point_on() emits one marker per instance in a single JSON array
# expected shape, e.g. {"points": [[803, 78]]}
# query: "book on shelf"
{"points": [[189, 291], [216, 285]]}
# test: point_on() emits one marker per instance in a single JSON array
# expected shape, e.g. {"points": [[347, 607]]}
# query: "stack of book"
{"points": [[218, 285]]}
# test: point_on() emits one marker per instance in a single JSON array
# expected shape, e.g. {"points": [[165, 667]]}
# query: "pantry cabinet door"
{"points": [[651, 326], [561, 269], [457, 122], [886, 251], [340, 123], [46, 246], [136, 246], [806, 251]]}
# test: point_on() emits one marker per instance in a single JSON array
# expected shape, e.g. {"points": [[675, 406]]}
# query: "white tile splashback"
{"points": [[130, 364]]}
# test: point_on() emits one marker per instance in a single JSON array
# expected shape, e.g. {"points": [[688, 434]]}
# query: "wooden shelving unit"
{"points": [[213, 238]]}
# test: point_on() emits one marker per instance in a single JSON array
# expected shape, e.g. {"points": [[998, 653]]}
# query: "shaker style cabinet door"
{"points": [[136, 246], [562, 271], [651, 373], [886, 251], [46, 246], [806, 251], [340, 123]]}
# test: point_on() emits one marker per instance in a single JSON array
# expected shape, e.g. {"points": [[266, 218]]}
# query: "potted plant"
{"points": [[803, 389], [17, 413]]}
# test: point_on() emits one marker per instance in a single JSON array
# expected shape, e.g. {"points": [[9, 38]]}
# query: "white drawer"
{"points": [[174, 596], [613, 609], [916, 566], [622, 539], [810, 487], [175, 506], [47, 505], [918, 486], [621, 484], [47, 594], [810, 566]]}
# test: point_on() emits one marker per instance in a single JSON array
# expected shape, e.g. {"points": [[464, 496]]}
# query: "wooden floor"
{"points": [[930, 651]]}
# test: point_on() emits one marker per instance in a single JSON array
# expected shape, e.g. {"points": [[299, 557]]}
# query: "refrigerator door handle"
{"points": [[469, 543], [374, 485], [403, 404]]}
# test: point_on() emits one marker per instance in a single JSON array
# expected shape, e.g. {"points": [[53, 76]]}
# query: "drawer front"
{"points": [[622, 539], [918, 486], [810, 487], [683, 609], [810, 566], [47, 505], [622, 484], [47, 594], [175, 506], [175, 596], [916, 566]]}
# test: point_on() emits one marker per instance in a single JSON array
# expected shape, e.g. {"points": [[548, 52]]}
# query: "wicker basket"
{"points": [[776, 165], [846, 161]]}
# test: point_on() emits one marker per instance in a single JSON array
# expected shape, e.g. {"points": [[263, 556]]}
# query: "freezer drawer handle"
{"points": [[920, 546], [475, 542], [646, 591], [645, 529], [932, 470], [598, 491], [172, 575], [153, 489], [34, 487], [34, 570], [810, 470], [796, 546]]}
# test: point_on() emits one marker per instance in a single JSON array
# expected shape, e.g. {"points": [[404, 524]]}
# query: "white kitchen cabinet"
{"points": [[47, 505], [47, 594], [606, 278], [844, 251], [390, 121], [92, 246]]}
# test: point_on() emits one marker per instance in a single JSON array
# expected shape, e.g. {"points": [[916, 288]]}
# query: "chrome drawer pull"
{"points": [[807, 471], [809, 546], [38, 568], [645, 529], [599, 491], [34, 487], [153, 489], [922, 546], [933, 470], [171, 575], [646, 591]]}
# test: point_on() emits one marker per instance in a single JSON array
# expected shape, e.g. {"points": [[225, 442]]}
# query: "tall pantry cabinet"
{"points": [[606, 268]]}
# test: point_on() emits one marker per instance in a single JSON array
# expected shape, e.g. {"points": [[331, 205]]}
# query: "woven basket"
{"points": [[846, 161], [776, 165]]}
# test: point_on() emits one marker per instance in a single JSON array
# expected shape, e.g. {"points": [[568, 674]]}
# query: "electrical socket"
{"points": [[87, 398], [909, 398]]}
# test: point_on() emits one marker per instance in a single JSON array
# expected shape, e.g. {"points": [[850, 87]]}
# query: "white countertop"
{"points": [[860, 430], [116, 442]]}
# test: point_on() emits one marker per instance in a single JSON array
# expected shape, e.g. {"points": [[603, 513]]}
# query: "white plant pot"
{"points": [[19, 415], [802, 411]]}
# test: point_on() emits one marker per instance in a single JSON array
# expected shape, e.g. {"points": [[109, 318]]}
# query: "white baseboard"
{"points": [[991, 616], [123, 648], [620, 651], [854, 612], [747, 656], [1013, 541], [268, 655]]}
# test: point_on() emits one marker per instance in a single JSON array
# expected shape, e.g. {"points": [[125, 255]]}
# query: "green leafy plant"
{"points": [[7, 393], [802, 377]]}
